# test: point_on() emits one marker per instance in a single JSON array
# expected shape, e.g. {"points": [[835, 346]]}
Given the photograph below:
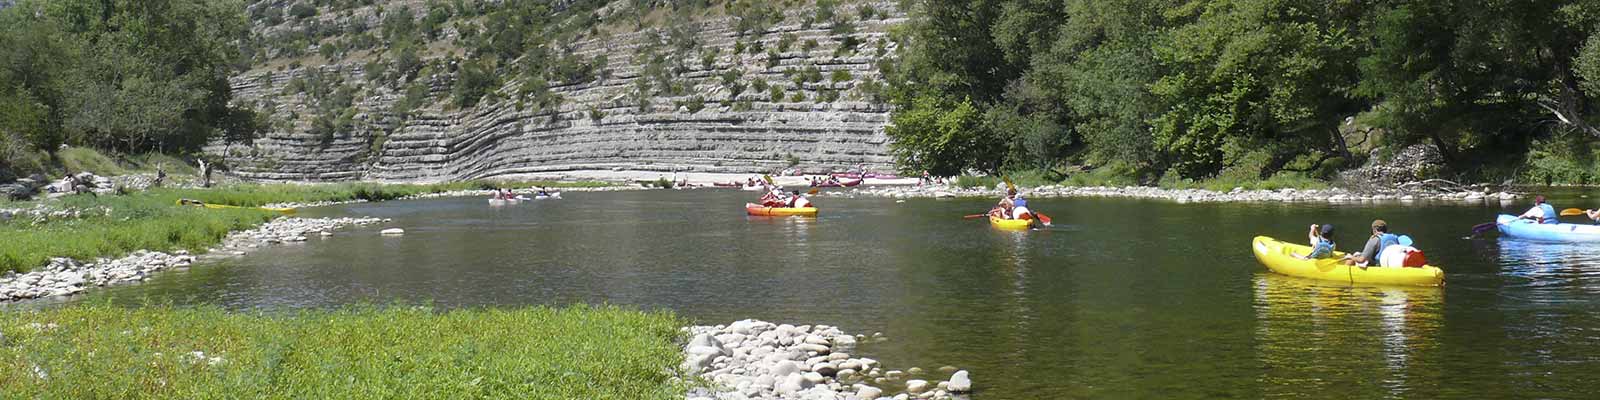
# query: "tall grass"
{"points": [[106, 352], [147, 221]]}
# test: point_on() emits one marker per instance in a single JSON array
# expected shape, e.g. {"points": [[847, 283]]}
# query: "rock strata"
{"points": [[753, 359]]}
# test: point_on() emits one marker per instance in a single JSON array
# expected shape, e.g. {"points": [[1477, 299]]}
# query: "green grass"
{"points": [[108, 352], [151, 221], [82, 159]]}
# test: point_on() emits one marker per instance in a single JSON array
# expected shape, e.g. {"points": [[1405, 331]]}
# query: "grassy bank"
{"points": [[109, 226], [101, 351]]}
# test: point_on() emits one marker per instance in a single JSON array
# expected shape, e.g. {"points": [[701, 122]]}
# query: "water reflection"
{"points": [[1551, 271], [1319, 338]]}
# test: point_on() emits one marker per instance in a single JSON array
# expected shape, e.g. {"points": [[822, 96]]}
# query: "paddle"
{"points": [[1571, 212], [974, 216]]}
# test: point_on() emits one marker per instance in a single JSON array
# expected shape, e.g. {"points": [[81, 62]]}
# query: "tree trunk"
{"points": [[1445, 150]]}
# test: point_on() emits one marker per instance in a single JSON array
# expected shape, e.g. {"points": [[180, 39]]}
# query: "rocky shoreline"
{"points": [[1333, 195], [462, 193], [65, 276], [753, 359]]}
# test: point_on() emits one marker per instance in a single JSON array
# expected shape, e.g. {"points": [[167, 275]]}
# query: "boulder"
{"points": [[960, 382], [916, 386]]}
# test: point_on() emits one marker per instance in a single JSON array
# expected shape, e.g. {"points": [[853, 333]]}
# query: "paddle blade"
{"points": [[1045, 219], [768, 178], [1483, 227], [1571, 212], [973, 216], [1009, 185], [813, 192]]}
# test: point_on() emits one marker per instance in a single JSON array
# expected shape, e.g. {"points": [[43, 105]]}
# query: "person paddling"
{"points": [[1019, 209], [796, 200], [1322, 245], [1381, 238], [1541, 212]]}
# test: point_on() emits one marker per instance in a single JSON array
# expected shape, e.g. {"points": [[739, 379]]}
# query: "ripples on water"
{"points": [[1121, 299]]}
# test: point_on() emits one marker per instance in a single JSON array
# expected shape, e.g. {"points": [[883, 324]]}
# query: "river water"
{"points": [[1121, 299]]}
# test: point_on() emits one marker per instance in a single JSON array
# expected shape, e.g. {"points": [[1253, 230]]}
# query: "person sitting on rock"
{"points": [[1541, 212]]}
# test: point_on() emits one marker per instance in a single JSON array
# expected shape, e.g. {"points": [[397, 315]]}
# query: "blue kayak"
{"points": [[1510, 226]]}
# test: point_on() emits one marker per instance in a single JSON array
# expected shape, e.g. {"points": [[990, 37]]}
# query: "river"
{"points": [[1121, 299]]}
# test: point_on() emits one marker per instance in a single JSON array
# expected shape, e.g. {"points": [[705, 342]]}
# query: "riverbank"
{"points": [[1420, 192], [752, 359], [104, 351]]}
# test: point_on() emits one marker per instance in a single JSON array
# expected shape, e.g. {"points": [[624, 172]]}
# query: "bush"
{"points": [[82, 159], [775, 94], [302, 10], [841, 76]]}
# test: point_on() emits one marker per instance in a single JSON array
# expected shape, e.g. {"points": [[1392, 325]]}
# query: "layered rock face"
{"points": [[818, 124]]}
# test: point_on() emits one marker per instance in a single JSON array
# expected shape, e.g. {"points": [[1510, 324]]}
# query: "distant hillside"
{"points": [[423, 90]]}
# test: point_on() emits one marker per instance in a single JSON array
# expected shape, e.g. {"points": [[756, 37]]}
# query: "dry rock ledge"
{"points": [[753, 359], [1333, 195], [64, 276]]}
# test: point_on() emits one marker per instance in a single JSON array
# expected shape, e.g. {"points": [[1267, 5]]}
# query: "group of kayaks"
{"points": [[1282, 257], [522, 198]]}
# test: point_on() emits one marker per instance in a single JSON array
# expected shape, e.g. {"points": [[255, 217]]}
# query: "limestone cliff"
{"points": [[723, 118]]}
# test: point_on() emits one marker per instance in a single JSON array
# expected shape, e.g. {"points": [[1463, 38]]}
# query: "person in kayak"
{"points": [[775, 198], [1381, 238], [1019, 209], [797, 200], [1541, 212], [1322, 245]]}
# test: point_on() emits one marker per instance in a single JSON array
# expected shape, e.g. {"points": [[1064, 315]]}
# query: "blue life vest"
{"points": [[1386, 240], [1549, 214]]}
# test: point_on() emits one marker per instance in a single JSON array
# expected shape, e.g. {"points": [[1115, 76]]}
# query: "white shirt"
{"points": [[1534, 212]]}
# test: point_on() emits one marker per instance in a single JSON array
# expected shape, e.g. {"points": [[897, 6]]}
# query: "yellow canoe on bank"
{"points": [[198, 203], [1280, 257], [1010, 224]]}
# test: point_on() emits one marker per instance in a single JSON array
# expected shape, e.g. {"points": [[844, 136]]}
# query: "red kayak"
{"points": [[853, 183]]}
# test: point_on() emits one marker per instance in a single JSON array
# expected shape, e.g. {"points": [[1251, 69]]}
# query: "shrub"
{"points": [[302, 10], [841, 76], [775, 94]]}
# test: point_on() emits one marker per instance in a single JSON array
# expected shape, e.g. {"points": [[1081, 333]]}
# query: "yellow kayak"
{"points": [[1010, 224], [760, 210], [1280, 257], [198, 203]]}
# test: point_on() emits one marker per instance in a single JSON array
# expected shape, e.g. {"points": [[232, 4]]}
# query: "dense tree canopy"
{"points": [[133, 75], [1194, 89]]}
